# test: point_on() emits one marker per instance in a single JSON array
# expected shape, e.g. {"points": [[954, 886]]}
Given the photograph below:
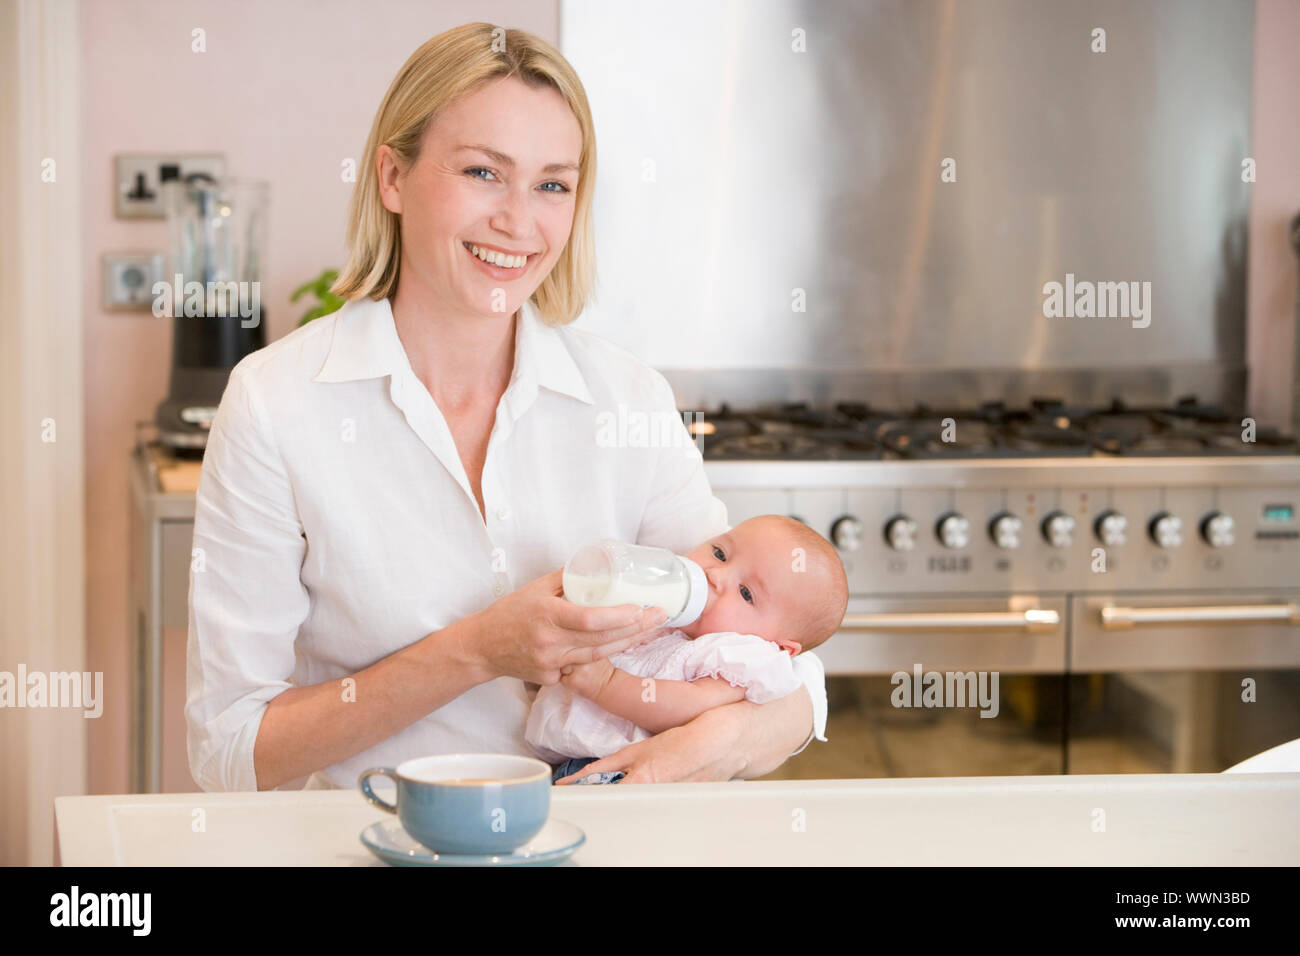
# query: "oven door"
{"points": [[1012, 724], [1021, 634], [1181, 683], [1159, 631]]}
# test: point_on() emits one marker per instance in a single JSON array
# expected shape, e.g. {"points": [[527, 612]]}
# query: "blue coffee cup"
{"points": [[467, 803]]}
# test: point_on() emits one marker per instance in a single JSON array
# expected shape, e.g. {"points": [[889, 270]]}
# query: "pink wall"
{"points": [[1275, 199], [286, 90]]}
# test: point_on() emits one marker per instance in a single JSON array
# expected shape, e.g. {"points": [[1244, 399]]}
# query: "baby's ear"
{"points": [[794, 647]]}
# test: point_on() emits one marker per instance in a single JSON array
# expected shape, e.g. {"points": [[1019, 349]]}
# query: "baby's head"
{"points": [[775, 577]]}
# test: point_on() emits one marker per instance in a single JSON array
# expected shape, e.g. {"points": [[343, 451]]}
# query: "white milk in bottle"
{"points": [[606, 573]]}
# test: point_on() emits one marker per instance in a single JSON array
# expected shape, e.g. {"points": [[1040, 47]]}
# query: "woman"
{"points": [[377, 482]]}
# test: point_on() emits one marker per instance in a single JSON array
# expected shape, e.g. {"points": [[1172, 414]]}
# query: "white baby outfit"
{"points": [[562, 724]]}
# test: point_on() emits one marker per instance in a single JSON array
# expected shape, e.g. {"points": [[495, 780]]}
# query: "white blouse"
{"points": [[334, 522]]}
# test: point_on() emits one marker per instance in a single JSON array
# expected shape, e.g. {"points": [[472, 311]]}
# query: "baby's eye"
{"points": [[717, 553], [744, 592]]}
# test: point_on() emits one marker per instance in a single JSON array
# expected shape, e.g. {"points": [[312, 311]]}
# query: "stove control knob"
{"points": [[846, 532], [1005, 530], [1216, 529], [1167, 530], [1112, 529], [1058, 529], [953, 531], [900, 533]]}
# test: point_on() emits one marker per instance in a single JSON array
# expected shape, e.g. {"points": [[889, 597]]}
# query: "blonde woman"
{"points": [[388, 493]]}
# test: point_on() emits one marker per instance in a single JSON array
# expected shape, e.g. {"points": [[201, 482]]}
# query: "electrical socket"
{"points": [[129, 278], [139, 179]]}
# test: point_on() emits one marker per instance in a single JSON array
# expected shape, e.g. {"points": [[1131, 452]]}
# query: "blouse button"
{"points": [[503, 514], [498, 588]]}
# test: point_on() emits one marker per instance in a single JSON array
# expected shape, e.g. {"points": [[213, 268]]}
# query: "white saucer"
{"points": [[556, 842]]}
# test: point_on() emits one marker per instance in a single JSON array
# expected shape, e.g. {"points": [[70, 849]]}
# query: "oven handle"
{"points": [[1031, 619], [1125, 617]]}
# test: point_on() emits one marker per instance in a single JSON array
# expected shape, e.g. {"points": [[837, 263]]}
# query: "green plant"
{"points": [[327, 301]]}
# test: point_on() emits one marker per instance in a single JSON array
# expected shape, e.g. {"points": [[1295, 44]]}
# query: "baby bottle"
{"points": [[606, 573]]}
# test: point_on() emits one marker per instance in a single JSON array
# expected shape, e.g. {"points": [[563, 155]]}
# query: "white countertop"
{"points": [[1150, 820]]}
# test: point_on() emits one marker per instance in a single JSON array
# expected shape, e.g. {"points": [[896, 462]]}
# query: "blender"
{"points": [[216, 235]]}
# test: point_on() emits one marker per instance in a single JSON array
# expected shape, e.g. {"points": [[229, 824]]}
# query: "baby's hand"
{"points": [[588, 680]]}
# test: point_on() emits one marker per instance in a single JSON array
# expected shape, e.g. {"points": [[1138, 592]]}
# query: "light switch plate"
{"points": [[139, 179], [129, 278]]}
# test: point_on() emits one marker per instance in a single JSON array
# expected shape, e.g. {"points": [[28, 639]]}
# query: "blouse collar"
{"points": [[365, 345]]}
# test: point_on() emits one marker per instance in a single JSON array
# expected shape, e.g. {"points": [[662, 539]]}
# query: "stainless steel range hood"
{"points": [[736, 169]]}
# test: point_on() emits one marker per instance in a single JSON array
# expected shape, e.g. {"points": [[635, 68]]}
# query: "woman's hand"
{"points": [[533, 633], [704, 749]]}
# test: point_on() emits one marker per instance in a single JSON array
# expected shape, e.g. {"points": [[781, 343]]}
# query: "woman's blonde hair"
{"points": [[449, 66]]}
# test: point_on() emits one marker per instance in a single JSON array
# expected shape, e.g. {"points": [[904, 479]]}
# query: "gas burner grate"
{"points": [[1047, 427]]}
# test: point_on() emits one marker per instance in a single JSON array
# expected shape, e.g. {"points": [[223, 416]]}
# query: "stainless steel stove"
{"points": [[1157, 545]]}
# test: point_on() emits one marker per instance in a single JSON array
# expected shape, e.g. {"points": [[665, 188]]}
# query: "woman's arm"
{"points": [[771, 732], [652, 704], [530, 633], [305, 729]]}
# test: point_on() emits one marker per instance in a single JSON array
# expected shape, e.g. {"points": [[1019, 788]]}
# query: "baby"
{"points": [[776, 588]]}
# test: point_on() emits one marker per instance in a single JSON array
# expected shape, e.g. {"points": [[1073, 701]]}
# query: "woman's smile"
{"points": [[494, 269]]}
